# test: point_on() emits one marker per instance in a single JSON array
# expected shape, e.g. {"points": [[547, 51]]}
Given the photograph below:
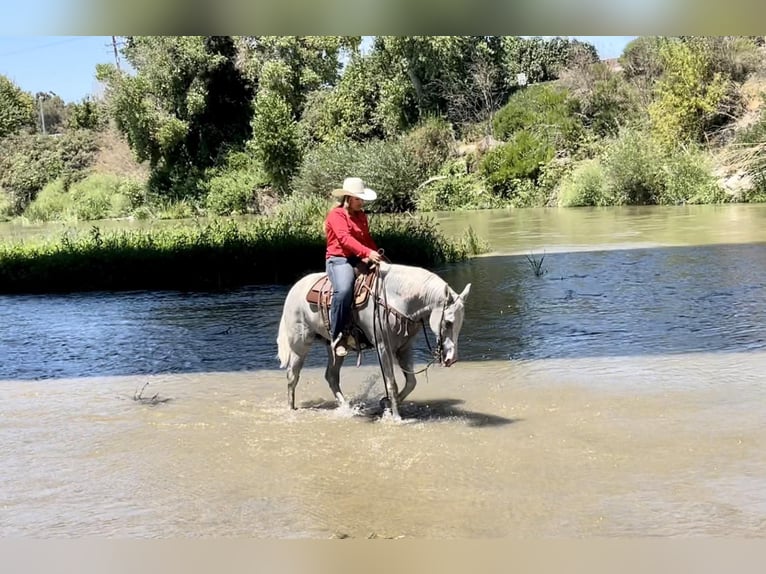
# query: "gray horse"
{"points": [[403, 298]]}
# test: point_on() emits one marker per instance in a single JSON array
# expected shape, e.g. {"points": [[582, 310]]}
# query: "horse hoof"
{"points": [[385, 404]]}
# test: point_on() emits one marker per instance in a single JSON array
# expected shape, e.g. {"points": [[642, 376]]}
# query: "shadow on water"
{"points": [[611, 302], [436, 410]]}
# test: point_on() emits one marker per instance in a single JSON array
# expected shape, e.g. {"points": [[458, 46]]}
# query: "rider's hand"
{"points": [[374, 257]]}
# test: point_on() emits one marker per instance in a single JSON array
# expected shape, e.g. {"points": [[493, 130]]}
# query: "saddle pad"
{"points": [[321, 291]]}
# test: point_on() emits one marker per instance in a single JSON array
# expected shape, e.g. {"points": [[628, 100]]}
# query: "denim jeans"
{"points": [[341, 273]]}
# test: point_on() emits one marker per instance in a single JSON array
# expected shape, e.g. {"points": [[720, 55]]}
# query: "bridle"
{"points": [[438, 352]]}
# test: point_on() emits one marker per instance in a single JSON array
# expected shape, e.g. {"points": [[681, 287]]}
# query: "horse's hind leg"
{"points": [[294, 366], [332, 374]]}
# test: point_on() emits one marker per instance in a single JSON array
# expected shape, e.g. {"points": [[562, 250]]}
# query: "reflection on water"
{"points": [[619, 394]]}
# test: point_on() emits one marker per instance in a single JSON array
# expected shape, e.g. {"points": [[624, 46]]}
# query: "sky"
{"points": [[66, 65]]}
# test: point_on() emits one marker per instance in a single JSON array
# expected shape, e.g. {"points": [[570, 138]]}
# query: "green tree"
{"points": [[276, 140], [186, 105], [54, 112], [17, 108], [294, 66], [688, 94], [350, 109], [425, 75], [541, 60], [87, 114]]}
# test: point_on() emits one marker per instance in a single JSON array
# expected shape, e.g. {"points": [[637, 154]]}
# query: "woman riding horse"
{"points": [[348, 242]]}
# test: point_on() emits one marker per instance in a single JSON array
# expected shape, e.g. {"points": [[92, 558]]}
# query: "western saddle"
{"points": [[320, 293]]}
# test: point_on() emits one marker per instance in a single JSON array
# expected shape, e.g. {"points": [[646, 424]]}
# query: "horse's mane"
{"points": [[415, 283]]}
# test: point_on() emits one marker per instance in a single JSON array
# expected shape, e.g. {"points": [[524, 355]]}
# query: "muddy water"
{"points": [[619, 394]]}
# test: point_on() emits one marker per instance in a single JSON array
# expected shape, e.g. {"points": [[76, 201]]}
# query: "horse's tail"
{"points": [[283, 343]]}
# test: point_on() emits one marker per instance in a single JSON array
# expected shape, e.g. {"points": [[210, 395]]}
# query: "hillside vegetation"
{"points": [[233, 125]]}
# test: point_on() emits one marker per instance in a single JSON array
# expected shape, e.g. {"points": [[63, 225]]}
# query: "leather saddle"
{"points": [[321, 291]]}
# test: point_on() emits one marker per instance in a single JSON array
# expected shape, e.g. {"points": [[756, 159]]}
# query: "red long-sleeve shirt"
{"points": [[348, 234]]}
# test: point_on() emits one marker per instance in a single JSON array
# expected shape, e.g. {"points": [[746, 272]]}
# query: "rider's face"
{"points": [[355, 204]]}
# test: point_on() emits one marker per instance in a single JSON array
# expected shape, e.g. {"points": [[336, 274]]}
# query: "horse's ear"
{"points": [[465, 292]]}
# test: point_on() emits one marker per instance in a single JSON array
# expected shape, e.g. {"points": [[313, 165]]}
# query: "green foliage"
{"points": [[7, 207], [293, 66], [735, 57], [585, 185], [642, 171], [633, 163], [392, 171], [430, 143], [542, 60], [688, 94], [350, 109], [688, 178], [52, 203], [546, 110], [642, 58], [186, 105], [423, 71], [27, 163], [86, 115], [218, 254], [232, 189], [606, 100], [276, 141], [98, 196], [324, 168], [387, 166], [17, 108], [54, 113], [457, 189], [521, 158]]}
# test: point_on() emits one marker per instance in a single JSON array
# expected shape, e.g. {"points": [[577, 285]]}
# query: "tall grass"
{"points": [[218, 254]]}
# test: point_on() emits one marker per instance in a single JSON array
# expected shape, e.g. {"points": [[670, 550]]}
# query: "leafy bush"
{"points": [[586, 185], [519, 159], [690, 94], [386, 166], [392, 172], [325, 166], [29, 162], [98, 196], [50, 204], [642, 171], [633, 162], [232, 188], [549, 112], [457, 189], [605, 98], [430, 143], [688, 178]]}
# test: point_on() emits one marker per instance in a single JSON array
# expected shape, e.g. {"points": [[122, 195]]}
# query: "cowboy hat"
{"points": [[354, 186]]}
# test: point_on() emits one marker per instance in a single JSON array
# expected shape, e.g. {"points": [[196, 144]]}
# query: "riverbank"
{"points": [[218, 254]]}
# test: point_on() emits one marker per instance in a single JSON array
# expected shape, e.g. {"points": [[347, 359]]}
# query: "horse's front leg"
{"points": [[392, 391], [404, 357], [332, 375]]}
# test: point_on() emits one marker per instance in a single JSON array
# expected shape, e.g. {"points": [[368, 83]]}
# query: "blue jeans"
{"points": [[340, 270]]}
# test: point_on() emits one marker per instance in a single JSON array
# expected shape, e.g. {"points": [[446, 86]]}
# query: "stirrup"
{"points": [[339, 349]]}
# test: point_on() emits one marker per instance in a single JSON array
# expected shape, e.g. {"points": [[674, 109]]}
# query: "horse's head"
{"points": [[446, 322]]}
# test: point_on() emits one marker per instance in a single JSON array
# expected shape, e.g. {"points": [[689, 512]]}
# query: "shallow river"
{"points": [[620, 393]]}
